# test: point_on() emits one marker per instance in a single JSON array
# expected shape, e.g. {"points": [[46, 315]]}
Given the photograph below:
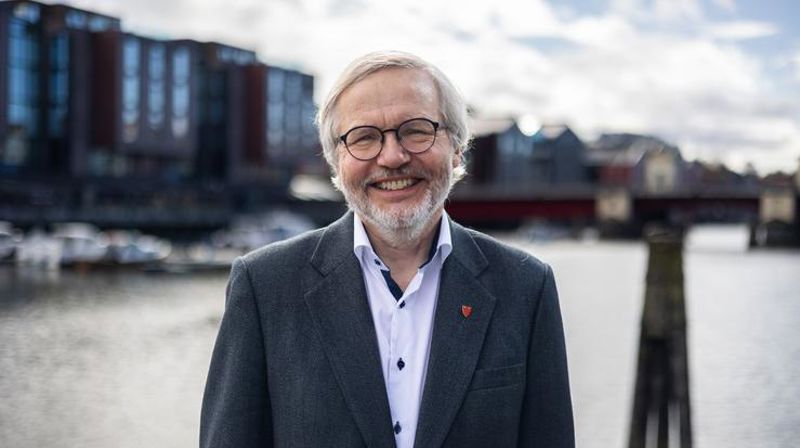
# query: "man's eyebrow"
{"points": [[398, 123]]}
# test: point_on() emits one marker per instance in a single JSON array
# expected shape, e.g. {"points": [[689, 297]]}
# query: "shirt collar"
{"points": [[444, 244]]}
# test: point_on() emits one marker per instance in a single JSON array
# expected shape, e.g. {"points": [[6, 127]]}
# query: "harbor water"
{"points": [[119, 359]]}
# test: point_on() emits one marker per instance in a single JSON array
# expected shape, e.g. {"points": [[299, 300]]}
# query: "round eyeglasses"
{"points": [[416, 135]]}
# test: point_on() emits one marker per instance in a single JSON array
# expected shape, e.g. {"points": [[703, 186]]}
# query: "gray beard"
{"points": [[406, 226]]}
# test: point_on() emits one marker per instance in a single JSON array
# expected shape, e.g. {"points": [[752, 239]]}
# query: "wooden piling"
{"points": [[661, 406]]}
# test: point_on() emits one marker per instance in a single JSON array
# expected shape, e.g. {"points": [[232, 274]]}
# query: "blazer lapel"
{"points": [[457, 339], [339, 309]]}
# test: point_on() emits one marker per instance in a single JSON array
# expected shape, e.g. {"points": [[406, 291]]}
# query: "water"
{"points": [[110, 360], [119, 359]]}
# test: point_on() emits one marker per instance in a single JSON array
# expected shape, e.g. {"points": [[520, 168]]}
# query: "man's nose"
{"points": [[393, 155]]}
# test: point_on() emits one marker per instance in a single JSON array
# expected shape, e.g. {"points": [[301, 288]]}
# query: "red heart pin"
{"points": [[466, 310]]}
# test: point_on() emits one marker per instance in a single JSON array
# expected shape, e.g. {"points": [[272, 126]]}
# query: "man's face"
{"points": [[398, 191]]}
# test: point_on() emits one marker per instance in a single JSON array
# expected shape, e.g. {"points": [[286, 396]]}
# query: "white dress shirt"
{"points": [[403, 326]]}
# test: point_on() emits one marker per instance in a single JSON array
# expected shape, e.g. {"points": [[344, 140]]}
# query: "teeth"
{"points": [[395, 184]]}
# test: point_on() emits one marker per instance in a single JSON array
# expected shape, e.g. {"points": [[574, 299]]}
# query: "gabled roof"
{"points": [[553, 131], [626, 149]]}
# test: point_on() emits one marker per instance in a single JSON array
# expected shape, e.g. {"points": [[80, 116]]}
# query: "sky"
{"points": [[718, 78]]}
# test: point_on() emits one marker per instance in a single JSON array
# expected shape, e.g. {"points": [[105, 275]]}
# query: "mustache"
{"points": [[383, 173]]}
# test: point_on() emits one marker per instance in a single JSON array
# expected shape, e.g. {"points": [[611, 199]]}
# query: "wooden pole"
{"points": [[661, 407]]}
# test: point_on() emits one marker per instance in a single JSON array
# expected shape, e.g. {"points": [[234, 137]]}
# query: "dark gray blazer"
{"points": [[296, 361]]}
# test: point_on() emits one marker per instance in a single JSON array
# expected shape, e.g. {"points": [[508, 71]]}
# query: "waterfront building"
{"points": [[143, 104], [221, 95], [45, 55], [94, 118], [662, 171], [558, 156], [797, 177], [79, 97], [194, 112], [640, 163], [281, 106], [705, 177], [499, 150], [505, 157]]}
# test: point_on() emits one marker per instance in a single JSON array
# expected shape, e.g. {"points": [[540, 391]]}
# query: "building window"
{"points": [[276, 79], [131, 53], [236, 56], [181, 64], [27, 12], [275, 127], [59, 84], [156, 90], [245, 57], [294, 88], [294, 96], [276, 109], [217, 112], [76, 20], [309, 129], [23, 70], [216, 90], [224, 54], [97, 23]]}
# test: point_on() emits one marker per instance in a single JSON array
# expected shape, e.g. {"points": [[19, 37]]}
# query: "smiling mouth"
{"points": [[398, 184]]}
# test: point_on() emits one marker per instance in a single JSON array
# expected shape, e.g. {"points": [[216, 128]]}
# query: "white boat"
{"points": [[543, 232], [10, 238], [80, 243], [127, 247], [38, 249], [253, 231]]}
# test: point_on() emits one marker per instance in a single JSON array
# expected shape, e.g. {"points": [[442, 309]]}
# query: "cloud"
{"points": [[600, 32], [659, 11], [669, 10], [710, 99], [796, 62], [741, 30], [726, 5]]}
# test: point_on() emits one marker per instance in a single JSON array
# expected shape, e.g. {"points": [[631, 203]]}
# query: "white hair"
{"points": [[452, 106]]}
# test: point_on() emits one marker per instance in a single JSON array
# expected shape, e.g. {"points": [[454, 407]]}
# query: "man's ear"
{"points": [[457, 157]]}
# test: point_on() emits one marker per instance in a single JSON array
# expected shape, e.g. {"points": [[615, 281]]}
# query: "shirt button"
{"points": [[377, 262], [397, 428], [401, 364], [403, 304]]}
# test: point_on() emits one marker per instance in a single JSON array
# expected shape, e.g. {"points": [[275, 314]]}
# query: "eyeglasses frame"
{"points": [[436, 128]]}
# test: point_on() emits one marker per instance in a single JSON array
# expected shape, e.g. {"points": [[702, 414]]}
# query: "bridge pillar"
{"points": [[778, 225], [614, 213], [661, 403]]}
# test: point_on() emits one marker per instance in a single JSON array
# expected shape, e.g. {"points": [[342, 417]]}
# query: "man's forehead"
{"points": [[397, 76], [393, 90]]}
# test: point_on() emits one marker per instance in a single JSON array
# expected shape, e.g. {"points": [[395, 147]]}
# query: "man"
{"points": [[394, 326]]}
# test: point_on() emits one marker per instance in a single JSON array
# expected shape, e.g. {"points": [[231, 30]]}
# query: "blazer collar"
{"points": [[340, 311], [335, 246], [466, 250], [463, 312], [338, 306]]}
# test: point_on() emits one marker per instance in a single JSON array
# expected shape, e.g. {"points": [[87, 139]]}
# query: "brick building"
{"points": [[80, 98]]}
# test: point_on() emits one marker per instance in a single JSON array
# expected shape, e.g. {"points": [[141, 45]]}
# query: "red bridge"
{"points": [[581, 205]]}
